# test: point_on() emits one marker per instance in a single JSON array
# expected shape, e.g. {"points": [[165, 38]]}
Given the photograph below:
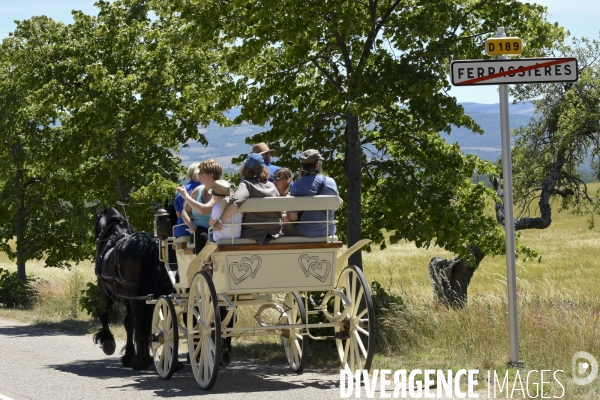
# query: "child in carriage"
{"points": [[220, 193]]}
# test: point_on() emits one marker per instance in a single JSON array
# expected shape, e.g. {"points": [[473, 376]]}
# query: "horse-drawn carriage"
{"points": [[277, 278]]}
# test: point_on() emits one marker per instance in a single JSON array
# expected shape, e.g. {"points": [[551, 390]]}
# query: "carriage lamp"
{"points": [[162, 224]]}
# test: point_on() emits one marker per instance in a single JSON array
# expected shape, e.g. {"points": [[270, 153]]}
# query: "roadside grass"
{"points": [[558, 305]]}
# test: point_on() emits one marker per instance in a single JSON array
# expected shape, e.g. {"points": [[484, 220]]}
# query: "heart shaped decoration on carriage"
{"points": [[239, 272], [305, 263], [313, 266], [320, 270], [253, 263]]}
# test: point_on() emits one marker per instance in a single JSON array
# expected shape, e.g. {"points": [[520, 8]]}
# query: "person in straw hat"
{"points": [[232, 227], [266, 154]]}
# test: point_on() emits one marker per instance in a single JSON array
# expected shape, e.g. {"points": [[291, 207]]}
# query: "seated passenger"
{"points": [[178, 203], [221, 192], [282, 178], [255, 184], [200, 202], [266, 154], [311, 183], [283, 182]]}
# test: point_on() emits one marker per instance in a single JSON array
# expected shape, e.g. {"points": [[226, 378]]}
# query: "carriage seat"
{"points": [[289, 203], [182, 239]]}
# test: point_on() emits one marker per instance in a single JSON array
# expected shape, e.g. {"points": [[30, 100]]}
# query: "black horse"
{"points": [[128, 269]]}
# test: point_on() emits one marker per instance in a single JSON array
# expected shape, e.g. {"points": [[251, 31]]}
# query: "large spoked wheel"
{"points": [[204, 330], [355, 334], [294, 343], [165, 337]]}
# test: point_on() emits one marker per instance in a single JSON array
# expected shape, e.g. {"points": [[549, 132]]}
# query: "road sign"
{"points": [[521, 70], [503, 46]]}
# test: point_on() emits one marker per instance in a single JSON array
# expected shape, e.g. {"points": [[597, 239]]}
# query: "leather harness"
{"points": [[114, 241]]}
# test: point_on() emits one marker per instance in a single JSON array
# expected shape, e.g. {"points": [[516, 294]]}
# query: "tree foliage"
{"points": [[366, 83], [34, 210], [129, 101], [94, 110], [97, 106], [563, 134]]}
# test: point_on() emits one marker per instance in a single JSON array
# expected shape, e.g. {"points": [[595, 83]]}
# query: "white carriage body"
{"points": [[246, 273], [296, 262]]}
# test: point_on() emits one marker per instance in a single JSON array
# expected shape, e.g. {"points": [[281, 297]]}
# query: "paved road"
{"points": [[40, 363]]}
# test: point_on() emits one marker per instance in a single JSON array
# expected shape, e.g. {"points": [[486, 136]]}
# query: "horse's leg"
{"points": [[128, 358], [104, 335], [142, 333]]}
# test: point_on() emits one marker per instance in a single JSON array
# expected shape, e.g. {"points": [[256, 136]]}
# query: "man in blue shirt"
{"points": [[266, 153], [312, 182], [179, 201]]}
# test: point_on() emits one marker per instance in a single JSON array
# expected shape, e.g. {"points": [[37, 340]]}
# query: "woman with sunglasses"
{"points": [[200, 202], [282, 178]]}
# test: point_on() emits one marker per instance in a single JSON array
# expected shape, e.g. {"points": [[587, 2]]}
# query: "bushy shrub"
{"points": [[16, 293], [90, 299], [384, 301], [90, 303]]}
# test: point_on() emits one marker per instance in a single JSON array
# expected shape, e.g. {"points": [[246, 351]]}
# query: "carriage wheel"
{"points": [[204, 330], [165, 337], [294, 342], [355, 335]]}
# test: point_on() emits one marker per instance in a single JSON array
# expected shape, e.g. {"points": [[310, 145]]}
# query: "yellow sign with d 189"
{"points": [[503, 46]]}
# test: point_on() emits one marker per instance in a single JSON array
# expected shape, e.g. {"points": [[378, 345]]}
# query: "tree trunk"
{"points": [[354, 172], [450, 280], [20, 225]]}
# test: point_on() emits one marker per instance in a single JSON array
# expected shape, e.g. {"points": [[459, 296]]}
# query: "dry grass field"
{"points": [[558, 303]]}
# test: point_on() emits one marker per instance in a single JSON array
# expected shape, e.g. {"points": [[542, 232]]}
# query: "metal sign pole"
{"points": [[511, 272]]}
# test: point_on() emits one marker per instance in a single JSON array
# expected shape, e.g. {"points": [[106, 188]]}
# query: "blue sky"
{"points": [[580, 17]]}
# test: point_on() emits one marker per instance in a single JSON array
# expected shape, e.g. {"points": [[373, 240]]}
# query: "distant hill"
{"points": [[488, 146], [225, 143]]}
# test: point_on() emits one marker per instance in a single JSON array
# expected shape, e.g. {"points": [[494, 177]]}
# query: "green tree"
{"points": [[129, 100], [42, 223], [366, 83], [92, 113], [563, 134]]}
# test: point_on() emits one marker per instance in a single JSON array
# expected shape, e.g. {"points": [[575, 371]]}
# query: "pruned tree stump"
{"points": [[450, 280]]}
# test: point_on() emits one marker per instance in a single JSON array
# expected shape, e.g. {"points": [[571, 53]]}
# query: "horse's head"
{"points": [[112, 220]]}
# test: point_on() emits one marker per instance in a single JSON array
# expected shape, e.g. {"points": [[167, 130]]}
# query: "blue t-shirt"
{"points": [[201, 219], [179, 201], [309, 186], [272, 169], [178, 204]]}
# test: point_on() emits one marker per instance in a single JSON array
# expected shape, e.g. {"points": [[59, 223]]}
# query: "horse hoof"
{"points": [[226, 355], [109, 348]]}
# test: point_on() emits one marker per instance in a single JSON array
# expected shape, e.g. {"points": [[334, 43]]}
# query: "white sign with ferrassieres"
{"points": [[523, 70]]}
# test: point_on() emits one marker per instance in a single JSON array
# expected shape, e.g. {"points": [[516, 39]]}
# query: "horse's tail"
{"points": [[150, 274], [150, 283]]}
